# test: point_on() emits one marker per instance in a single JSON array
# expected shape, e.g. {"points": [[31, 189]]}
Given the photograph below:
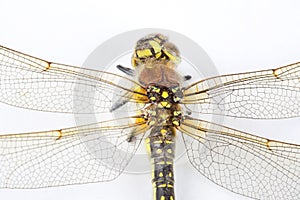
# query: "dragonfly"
{"points": [[155, 104]]}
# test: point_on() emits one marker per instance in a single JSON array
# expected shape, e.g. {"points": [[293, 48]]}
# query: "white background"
{"points": [[238, 35]]}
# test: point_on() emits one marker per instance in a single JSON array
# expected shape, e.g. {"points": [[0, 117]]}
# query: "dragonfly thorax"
{"points": [[164, 96], [164, 109]]}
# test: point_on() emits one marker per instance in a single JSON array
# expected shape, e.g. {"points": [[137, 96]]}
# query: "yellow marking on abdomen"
{"points": [[158, 151], [148, 147]]}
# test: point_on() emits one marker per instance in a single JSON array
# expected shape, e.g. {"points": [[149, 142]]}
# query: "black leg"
{"points": [[187, 77], [126, 70], [118, 104]]}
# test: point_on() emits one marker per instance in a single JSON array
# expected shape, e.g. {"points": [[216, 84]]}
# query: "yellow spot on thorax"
{"points": [[163, 131], [164, 94], [156, 89], [176, 123], [176, 113], [152, 98], [165, 104]]}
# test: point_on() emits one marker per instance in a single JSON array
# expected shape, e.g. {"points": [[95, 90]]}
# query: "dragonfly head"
{"points": [[155, 48]]}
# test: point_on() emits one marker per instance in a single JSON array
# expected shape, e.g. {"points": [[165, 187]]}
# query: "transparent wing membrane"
{"points": [[240, 162], [266, 94], [84, 154], [33, 83], [243, 163]]}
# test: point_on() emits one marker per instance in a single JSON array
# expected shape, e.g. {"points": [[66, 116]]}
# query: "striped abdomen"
{"points": [[161, 149]]}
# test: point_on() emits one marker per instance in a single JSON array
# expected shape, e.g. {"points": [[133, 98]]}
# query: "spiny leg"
{"points": [[126, 70]]}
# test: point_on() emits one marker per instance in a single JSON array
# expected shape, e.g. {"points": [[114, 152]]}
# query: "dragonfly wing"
{"points": [[266, 94], [33, 83], [242, 163], [84, 154]]}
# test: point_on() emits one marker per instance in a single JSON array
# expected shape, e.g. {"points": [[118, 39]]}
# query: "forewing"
{"points": [[33, 83], [266, 94], [242, 163], [84, 154]]}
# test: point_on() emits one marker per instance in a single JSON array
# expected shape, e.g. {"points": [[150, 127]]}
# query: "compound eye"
{"points": [[155, 48], [148, 49], [170, 47], [172, 52]]}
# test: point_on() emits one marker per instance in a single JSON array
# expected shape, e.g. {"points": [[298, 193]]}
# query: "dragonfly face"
{"points": [[155, 48], [243, 163]]}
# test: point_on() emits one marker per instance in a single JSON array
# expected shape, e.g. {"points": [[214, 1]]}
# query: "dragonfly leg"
{"points": [[136, 131], [119, 103], [187, 77], [126, 70]]}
